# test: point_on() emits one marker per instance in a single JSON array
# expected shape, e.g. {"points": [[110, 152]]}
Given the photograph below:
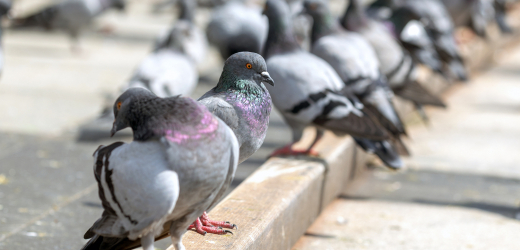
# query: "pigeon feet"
{"points": [[206, 221], [206, 227], [287, 150]]}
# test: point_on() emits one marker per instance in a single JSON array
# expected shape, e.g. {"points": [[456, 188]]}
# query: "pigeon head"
{"points": [[402, 16], [277, 10], [187, 10], [180, 35], [324, 23], [118, 4], [280, 38], [354, 16], [315, 8], [125, 105], [243, 68]]}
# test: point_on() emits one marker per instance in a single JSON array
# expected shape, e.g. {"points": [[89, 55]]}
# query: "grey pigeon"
{"points": [[5, 6], [438, 24], [243, 103], [356, 63], [193, 43], [171, 69], [70, 15], [181, 158], [166, 72], [308, 90], [398, 66], [237, 26], [413, 37]]}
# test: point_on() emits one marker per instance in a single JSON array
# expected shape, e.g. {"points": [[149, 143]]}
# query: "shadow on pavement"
{"points": [[487, 193]]}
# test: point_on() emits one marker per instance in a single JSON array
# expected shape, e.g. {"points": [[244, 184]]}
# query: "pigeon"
{"points": [[166, 72], [243, 104], [237, 26], [396, 63], [70, 15], [194, 42], [355, 61], [414, 38], [171, 69], [438, 26], [5, 6], [181, 157], [308, 90]]}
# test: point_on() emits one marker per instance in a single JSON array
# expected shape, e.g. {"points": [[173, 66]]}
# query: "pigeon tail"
{"points": [[430, 59], [415, 92], [394, 129], [93, 243], [384, 150], [458, 70], [43, 19]]}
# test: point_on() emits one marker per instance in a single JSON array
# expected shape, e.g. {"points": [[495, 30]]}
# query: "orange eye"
{"points": [[313, 6], [249, 66], [118, 105]]}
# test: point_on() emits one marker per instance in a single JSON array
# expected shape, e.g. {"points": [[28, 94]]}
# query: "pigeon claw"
{"points": [[206, 221], [204, 225]]}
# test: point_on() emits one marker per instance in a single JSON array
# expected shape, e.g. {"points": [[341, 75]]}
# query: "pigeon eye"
{"points": [[313, 6], [249, 66], [118, 105]]}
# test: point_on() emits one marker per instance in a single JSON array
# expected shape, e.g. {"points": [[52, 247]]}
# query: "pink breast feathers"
{"points": [[205, 129]]}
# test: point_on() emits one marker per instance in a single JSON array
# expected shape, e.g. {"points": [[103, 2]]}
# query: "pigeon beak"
{"points": [[267, 78], [114, 129]]}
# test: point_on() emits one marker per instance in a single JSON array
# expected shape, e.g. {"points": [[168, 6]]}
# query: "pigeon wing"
{"points": [[220, 108], [126, 175]]}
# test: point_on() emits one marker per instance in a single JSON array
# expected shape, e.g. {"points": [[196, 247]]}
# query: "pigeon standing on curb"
{"points": [[194, 43], [70, 15], [439, 27], [356, 63], [171, 69], [398, 66], [5, 6], [237, 26], [181, 158], [244, 105], [308, 90], [412, 34]]}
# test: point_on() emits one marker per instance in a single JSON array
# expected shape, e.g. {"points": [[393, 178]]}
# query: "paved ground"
{"points": [[461, 190]]}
